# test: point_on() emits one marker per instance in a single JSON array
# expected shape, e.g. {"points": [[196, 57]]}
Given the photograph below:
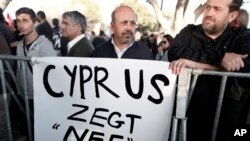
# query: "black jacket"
{"points": [[6, 33], [46, 30], [136, 51], [192, 43]]}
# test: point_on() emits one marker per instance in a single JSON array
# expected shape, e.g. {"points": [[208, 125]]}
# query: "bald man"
{"points": [[122, 43]]}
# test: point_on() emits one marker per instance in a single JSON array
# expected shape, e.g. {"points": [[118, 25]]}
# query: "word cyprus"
{"points": [[99, 82]]}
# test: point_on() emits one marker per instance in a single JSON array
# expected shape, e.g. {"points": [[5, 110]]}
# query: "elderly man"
{"points": [[212, 45], [122, 44], [73, 28]]}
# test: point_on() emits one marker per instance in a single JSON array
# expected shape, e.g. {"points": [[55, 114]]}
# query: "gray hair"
{"points": [[76, 18]]}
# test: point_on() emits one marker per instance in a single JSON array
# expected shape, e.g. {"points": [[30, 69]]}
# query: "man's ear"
{"points": [[112, 26], [79, 27], [233, 15]]}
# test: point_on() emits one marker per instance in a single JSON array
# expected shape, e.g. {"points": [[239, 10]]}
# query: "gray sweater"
{"points": [[41, 47]]}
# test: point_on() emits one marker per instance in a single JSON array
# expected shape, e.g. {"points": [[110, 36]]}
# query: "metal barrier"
{"points": [[186, 83], [185, 88], [6, 69]]}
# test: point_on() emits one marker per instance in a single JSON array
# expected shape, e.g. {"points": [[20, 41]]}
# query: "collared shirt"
{"points": [[119, 52], [74, 41]]}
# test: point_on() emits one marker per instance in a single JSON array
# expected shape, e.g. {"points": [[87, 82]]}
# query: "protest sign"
{"points": [[95, 99]]}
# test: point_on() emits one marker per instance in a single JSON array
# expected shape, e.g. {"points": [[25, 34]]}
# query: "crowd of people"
{"points": [[221, 42]]}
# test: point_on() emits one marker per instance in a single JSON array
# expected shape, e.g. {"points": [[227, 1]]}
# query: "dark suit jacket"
{"points": [[82, 48]]}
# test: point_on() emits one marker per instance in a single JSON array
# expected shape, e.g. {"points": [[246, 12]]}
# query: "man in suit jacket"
{"points": [[73, 28]]}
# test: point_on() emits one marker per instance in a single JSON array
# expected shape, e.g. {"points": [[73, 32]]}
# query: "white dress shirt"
{"points": [[119, 52], [74, 41]]}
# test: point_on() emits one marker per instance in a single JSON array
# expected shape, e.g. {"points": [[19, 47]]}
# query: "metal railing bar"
{"points": [[221, 73], [26, 100], [13, 57], [12, 74], [6, 107], [174, 129], [15, 97], [192, 86], [218, 107]]}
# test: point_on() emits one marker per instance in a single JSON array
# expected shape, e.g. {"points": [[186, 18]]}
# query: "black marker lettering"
{"points": [[84, 109], [128, 85], [119, 123], [82, 80], [132, 121], [100, 82], [72, 129], [46, 82], [165, 80], [94, 138], [73, 77], [97, 116]]}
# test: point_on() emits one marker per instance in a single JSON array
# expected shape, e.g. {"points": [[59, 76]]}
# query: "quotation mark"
{"points": [[55, 126], [130, 139]]}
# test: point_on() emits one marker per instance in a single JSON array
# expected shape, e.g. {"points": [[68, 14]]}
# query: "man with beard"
{"points": [[213, 45], [122, 44]]}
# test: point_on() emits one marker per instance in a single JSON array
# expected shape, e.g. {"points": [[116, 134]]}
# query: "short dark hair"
{"points": [[41, 14], [243, 17], [28, 11], [55, 22], [2, 19], [169, 38], [235, 5]]}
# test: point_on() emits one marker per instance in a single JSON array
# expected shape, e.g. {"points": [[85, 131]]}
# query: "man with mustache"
{"points": [[122, 44], [213, 45]]}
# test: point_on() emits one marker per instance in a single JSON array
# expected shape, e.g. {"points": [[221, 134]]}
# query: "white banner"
{"points": [[90, 99]]}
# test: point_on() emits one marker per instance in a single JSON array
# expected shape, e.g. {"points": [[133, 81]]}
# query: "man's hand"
{"points": [[177, 65], [233, 61]]}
